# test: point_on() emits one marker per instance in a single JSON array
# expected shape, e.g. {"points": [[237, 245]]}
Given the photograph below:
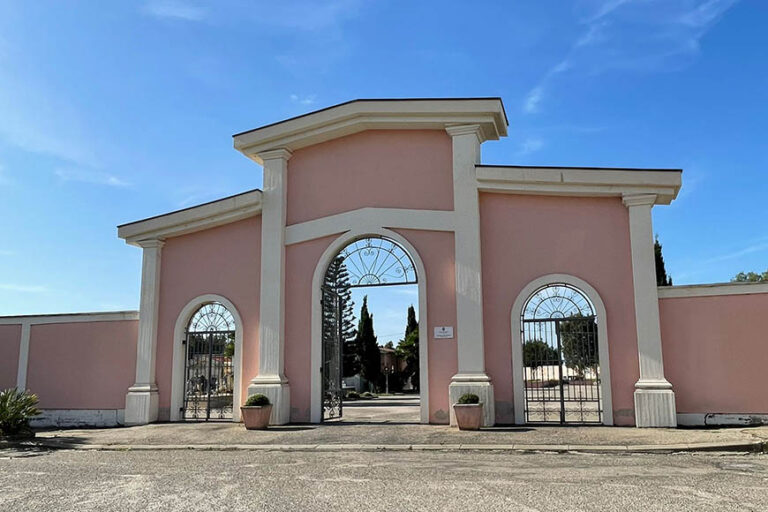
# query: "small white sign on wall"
{"points": [[444, 332]]}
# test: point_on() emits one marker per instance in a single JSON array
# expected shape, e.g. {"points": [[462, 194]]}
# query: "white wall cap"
{"points": [[195, 218], [374, 114], [66, 318], [581, 181], [711, 290]]}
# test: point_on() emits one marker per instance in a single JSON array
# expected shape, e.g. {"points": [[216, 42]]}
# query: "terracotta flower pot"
{"points": [[468, 416], [256, 417]]}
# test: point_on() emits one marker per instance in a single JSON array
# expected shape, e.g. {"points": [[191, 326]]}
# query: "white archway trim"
{"points": [[316, 406], [429, 220], [602, 341], [177, 373]]}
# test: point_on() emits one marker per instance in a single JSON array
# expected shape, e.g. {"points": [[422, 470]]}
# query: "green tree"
{"points": [[538, 353], [662, 278], [750, 277], [367, 346], [411, 324], [408, 349], [337, 280], [578, 338]]}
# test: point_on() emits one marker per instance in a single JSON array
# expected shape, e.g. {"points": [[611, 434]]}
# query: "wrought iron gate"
{"points": [[561, 358], [331, 369], [209, 376]]}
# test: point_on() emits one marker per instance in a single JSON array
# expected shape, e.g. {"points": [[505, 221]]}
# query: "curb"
{"points": [[743, 447]]}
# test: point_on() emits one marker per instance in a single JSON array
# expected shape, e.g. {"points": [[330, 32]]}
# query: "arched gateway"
{"points": [[379, 257], [367, 262]]}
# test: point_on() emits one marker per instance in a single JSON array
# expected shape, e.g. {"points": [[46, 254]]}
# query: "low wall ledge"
{"points": [[711, 290], [66, 318]]}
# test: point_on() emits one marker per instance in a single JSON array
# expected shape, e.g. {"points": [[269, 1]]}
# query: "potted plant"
{"points": [[469, 412], [256, 411]]}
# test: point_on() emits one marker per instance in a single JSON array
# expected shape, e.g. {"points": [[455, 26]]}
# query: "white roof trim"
{"points": [[710, 290], [575, 181], [196, 218], [358, 115], [67, 318]]}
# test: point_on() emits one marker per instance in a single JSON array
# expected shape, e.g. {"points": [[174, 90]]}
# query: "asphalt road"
{"points": [[444, 481]]}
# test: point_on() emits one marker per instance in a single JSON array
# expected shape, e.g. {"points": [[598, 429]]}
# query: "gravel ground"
{"points": [[444, 481], [379, 434]]}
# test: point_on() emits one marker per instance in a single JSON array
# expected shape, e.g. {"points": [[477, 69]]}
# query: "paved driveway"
{"points": [[239, 481]]}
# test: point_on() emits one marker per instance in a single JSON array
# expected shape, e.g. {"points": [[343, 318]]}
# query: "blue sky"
{"points": [[116, 111]]}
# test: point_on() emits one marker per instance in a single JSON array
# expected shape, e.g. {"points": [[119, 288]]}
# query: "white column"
{"points": [[141, 403], [271, 380], [471, 377], [654, 398], [21, 372]]}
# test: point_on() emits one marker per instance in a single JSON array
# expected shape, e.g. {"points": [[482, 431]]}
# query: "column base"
{"points": [[141, 405], [654, 406], [478, 384], [278, 391]]}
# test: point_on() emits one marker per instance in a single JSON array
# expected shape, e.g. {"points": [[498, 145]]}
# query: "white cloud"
{"points": [[309, 15], [174, 9], [634, 36], [759, 245], [303, 100], [95, 177], [530, 145], [23, 288], [533, 99]]}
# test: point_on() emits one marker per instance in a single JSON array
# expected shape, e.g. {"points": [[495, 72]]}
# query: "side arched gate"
{"points": [[208, 370], [561, 357]]}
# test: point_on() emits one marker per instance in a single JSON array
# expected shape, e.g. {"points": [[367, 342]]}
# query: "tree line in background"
{"points": [[360, 348]]}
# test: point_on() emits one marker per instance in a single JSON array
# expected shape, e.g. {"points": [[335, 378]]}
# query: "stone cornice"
{"points": [[659, 187], [639, 199], [276, 154], [197, 218], [359, 115]]}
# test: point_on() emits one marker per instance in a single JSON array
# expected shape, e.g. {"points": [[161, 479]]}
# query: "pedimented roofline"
{"points": [[196, 218], [374, 114]]}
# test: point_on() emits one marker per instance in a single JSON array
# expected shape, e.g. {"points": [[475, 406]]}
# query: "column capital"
{"points": [[638, 199], [276, 154], [466, 129], [151, 243]]}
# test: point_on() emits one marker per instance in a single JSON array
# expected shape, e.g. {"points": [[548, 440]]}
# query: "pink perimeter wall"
{"points": [[378, 168], [225, 261], [715, 352], [82, 365], [10, 338], [526, 237], [436, 251]]}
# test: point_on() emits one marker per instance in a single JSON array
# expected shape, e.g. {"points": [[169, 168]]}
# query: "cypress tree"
{"points": [[411, 324], [408, 348], [662, 278], [367, 346], [337, 280]]}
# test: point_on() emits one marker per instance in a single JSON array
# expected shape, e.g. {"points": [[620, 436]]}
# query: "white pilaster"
{"points": [[654, 398], [21, 372], [471, 377], [141, 403], [271, 380]]}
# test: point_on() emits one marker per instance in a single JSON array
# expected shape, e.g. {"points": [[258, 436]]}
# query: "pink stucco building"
{"points": [[505, 257]]}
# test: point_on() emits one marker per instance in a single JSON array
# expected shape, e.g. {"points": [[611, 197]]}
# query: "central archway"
{"points": [[404, 267]]}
